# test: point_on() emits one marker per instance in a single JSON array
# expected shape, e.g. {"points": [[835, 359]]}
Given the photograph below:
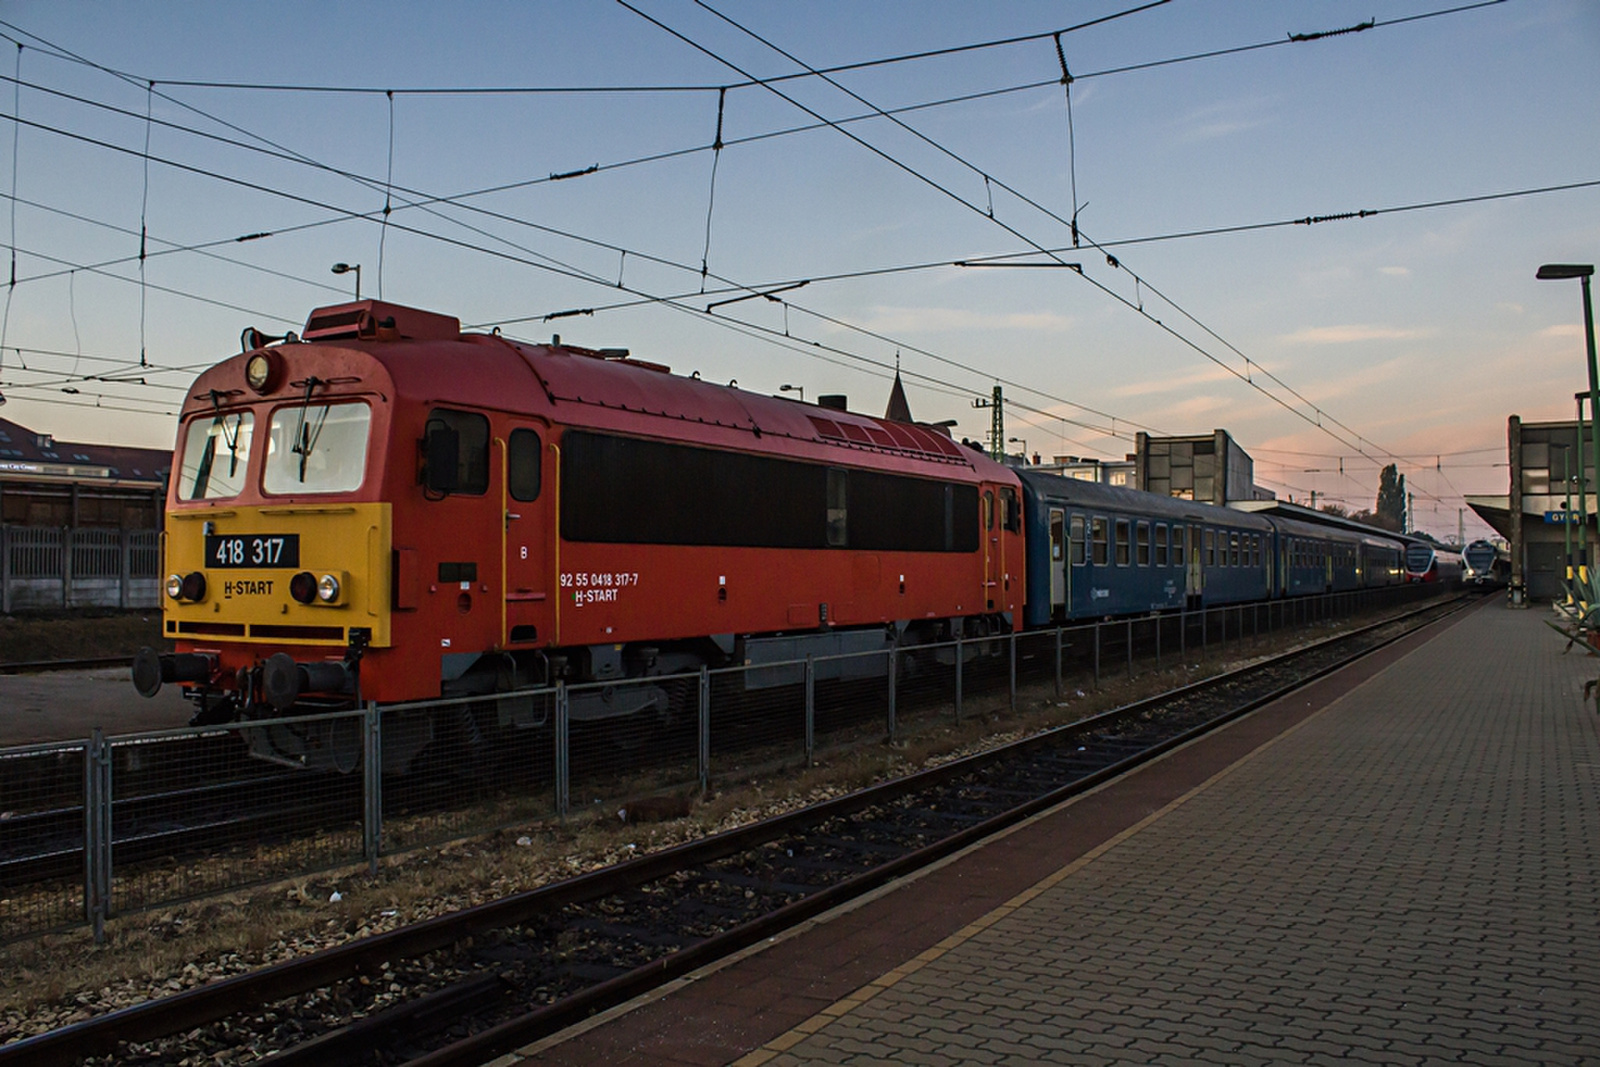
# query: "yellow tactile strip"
{"points": [[845, 1005]]}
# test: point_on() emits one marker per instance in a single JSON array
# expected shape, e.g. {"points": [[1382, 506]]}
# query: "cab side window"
{"points": [[471, 432], [524, 454], [1011, 510]]}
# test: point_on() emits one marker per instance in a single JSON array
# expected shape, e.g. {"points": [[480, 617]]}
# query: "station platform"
{"points": [[1396, 865]]}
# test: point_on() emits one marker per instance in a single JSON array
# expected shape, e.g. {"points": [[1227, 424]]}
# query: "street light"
{"points": [[794, 389], [1024, 444], [1582, 271], [346, 268]]}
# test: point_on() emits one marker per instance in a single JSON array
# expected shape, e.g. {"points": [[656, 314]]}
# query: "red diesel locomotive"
{"points": [[388, 509]]}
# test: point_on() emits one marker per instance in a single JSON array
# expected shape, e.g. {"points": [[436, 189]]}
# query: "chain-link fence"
{"points": [[114, 825]]}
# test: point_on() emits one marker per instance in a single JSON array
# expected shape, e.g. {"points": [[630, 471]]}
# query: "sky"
{"points": [[1433, 161]]}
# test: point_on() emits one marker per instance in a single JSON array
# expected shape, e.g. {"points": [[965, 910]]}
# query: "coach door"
{"points": [[1058, 560], [1194, 583], [527, 613]]}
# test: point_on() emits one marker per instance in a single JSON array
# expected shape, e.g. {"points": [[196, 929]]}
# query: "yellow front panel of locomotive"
{"points": [[244, 556]]}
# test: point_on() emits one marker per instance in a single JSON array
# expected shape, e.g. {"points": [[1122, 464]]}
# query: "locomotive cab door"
{"points": [[992, 559], [528, 585]]}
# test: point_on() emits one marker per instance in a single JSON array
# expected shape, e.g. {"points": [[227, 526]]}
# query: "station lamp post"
{"points": [[794, 389], [1583, 272], [1024, 444], [346, 268]]}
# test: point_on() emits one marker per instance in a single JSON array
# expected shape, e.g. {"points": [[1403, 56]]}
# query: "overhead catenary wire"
{"points": [[1316, 413], [623, 253], [867, 64], [951, 194], [1316, 410], [547, 264], [998, 258]]}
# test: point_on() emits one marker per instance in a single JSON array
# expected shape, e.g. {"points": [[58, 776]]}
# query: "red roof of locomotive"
{"points": [[428, 358]]}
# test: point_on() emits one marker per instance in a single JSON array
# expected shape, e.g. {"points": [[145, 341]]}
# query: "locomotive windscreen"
{"points": [[632, 491]]}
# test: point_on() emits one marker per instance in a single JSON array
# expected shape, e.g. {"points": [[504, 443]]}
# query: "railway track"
{"points": [[42, 666], [480, 982]]}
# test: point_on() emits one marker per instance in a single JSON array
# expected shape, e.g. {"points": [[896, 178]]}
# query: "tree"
{"points": [[1336, 509], [1390, 512]]}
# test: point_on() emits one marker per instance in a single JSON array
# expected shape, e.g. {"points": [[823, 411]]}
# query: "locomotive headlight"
{"points": [[303, 587], [328, 589], [174, 586], [193, 586], [260, 370]]}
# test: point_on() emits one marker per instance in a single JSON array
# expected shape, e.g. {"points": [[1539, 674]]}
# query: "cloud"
{"points": [[939, 319], [1223, 119], [1396, 272], [1171, 383], [1343, 335], [1565, 329]]}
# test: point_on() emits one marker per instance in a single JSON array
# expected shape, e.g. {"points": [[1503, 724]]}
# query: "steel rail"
{"points": [[508, 1036], [42, 666], [217, 1000]]}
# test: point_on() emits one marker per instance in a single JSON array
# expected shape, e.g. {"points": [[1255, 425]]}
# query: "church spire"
{"points": [[899, 410]]}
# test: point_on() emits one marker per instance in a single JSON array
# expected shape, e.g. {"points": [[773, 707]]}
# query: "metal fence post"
{"points": [[705, 730], [372, 787], [97, 833], [894, 681], [960, 655], [5, 570], [811, 709], [125, 570], [1183, 634], [563, 754], [66, 533], [1157, 621], [1013, 671], [1130, 649], [1058, 663], [1097, 654]]}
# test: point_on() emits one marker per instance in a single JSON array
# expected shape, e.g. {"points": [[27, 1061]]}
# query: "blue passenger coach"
{"points": [[1095, 550]]}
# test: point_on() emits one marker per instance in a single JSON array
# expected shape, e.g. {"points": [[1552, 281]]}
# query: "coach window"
{"points": [[1013, 513], [1161, 544], [216, 451], [319, 448], [988, 509], [1142, 532], [1123, 545], [1233, 550], [1177, 546], [1211, 548], [1099, 530], [524, 453], [838, 517], [1077, 540]]}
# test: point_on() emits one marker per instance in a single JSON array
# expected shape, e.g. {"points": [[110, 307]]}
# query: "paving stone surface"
{"points": [[1411, 876]]}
